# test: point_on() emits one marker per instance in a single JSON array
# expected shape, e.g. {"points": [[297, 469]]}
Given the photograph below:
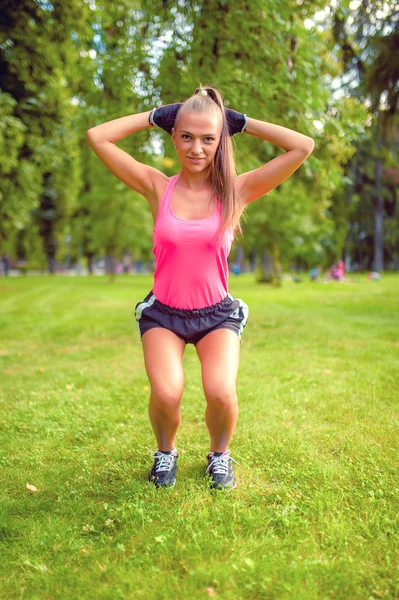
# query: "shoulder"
{"points": [[159, 183]]}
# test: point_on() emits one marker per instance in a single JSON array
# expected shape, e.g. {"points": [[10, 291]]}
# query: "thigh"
{"points": [[163, 358], [219, 353]]}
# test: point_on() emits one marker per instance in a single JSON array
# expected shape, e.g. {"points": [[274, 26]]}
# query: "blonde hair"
{"points": [[209, 99]]}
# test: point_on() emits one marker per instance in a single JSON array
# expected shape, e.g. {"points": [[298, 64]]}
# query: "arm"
{"points": [[279, 136], [257, 183], [135, 174], [116, 130]]}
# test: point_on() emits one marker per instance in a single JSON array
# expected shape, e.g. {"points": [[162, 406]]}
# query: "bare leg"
{"points": [[163, 353], [219, 353]]}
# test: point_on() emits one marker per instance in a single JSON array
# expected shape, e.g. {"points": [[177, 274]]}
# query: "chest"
{"points": [[192, 205]]}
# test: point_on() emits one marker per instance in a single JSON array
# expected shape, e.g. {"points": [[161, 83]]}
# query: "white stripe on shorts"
{"points": [[236, 313], [142, 306]]}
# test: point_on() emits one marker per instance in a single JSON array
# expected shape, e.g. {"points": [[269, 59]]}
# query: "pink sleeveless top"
{"points": [[191, 269]]}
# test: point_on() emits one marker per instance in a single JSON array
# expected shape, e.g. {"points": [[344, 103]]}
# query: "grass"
{"points": [[315, 515]]}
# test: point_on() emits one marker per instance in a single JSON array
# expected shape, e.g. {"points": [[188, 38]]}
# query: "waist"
{"points": [[206, 310]]}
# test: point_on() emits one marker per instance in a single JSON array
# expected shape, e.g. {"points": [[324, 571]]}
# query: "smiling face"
{"points": [[197, 136]]}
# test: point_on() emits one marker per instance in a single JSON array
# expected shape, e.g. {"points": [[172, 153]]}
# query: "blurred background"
{"points": [[327, 69]]}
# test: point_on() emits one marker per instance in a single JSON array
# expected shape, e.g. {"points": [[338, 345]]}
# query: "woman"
{"points": [[196, 215]]}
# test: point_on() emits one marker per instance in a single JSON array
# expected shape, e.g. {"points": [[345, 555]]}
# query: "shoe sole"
{"points": [[221, 487], [159, 485]]}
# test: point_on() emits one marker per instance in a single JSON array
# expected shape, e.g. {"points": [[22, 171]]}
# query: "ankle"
{"points": [[218, 452]]}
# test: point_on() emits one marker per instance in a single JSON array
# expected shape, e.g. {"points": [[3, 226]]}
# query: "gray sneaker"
{"points": [[164, 468], [220, 468]]}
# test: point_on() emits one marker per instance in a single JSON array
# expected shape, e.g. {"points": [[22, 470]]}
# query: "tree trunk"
{"points": [[267, 266], [269, 270], [90, 259], [50, 246], [378, 206], [276, 266], [264, 272], [240, 256], [349, 236], [253, 259], [110, 264]]}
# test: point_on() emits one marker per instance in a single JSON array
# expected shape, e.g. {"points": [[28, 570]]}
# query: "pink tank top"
{"points": [[191, 268]]}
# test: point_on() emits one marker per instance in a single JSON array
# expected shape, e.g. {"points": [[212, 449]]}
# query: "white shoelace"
{"points": [[165, 461], [220, 464]]}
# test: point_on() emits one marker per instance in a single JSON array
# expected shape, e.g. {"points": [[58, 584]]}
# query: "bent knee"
{"points": [[166, 398], [223, 398]]}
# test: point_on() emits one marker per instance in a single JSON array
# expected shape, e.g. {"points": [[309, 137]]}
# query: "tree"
{"points": [[37, 65], [368, 37]]}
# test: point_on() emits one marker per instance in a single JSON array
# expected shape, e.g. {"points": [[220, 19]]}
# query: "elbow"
{"points": [[92, 137], [89, 134], [309, 146], [306, 146]]}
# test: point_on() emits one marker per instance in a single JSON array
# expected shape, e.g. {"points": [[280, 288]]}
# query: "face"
{"points": [[197, 136]]}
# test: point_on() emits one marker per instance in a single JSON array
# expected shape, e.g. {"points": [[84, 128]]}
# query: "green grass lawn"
{"points": [[315, 514]]}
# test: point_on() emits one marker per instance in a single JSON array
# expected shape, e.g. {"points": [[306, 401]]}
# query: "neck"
{"points": [[196, 182]]}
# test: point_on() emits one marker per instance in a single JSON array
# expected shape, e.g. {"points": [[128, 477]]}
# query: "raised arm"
{"points": [[116, 130], [254, 184], [135, 174]]}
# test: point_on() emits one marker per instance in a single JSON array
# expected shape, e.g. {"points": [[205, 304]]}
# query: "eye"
{"points": [[185, 135]]}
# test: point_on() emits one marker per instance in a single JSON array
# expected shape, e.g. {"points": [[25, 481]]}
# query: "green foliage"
{"points": [[360, 194], [39, 58], [69, 67], [19, 180]]}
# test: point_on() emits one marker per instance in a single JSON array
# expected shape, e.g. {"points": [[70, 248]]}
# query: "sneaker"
{"points": [[220, 469], [164, 468]]}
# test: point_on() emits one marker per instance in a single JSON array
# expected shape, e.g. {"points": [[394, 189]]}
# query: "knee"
{"points": [[223, 398], [166, 399]]}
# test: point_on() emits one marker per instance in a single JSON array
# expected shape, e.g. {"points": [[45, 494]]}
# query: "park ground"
{"points": [[316, 511]]}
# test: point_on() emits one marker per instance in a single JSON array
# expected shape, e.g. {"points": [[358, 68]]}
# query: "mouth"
{"points": [[194, 160]]}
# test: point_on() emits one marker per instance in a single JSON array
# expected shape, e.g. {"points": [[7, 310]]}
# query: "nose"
{"points": [[197, 147]]}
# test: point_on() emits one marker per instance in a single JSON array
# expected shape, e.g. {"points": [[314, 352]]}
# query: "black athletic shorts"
{"points": [[192, 325]]}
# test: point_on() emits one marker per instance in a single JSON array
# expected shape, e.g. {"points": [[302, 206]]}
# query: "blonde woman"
{"points": [[196, 217]]}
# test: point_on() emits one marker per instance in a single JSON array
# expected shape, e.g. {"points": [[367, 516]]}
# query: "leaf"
{"points": [[31, 487]]}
